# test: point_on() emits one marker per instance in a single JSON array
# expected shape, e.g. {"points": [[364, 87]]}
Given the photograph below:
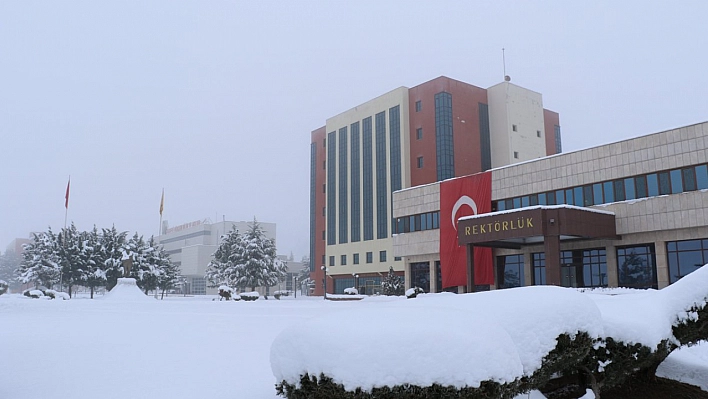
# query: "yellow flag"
{"points": [[162, 201]]}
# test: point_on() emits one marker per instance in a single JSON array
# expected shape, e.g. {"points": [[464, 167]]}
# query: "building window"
{"points": [[418, 106], [557, 133], [394, 127], [343, 260], [324, 143], [343, 203], [342, 283], [381, 174], [382, 256], [584, 268], [323, 260], [420, 162], [355, 183], [323, 234], [367, 179], [324, 188], [397, 258], [444, 146], [331, 260], [324, 165], [513, 128], [355, 259], [637, 266], [516, 155], [510, 271], [198, 286], [539, 268], [369, 257], [420, 275], [538, 133], [324, 211], [685, 257]]}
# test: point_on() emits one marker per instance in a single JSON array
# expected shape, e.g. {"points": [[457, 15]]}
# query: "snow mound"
{"points": [[126, 291]]}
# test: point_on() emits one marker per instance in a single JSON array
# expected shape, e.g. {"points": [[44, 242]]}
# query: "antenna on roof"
{"points": [[507, 78]]}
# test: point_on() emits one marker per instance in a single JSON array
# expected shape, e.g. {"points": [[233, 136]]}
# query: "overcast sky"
{"points": [[215, 101]]}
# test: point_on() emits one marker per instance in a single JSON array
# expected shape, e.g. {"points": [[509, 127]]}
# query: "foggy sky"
{"points": [[215, 101]]}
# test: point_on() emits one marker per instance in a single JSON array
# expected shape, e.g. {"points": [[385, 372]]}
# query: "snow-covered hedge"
{"points": [[57, 295], [523, 336], [3, 287], [413, 292], [250, 296], [351, 291]]}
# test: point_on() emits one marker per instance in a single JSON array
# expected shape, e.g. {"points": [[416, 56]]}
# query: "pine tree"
{"points": [[112, 246], [92, 270], [257, 263], [69, 250], [167, 273], [219, 270], [144, 270], [40, 261], [304, 274], [392, 284], [9, 266]]}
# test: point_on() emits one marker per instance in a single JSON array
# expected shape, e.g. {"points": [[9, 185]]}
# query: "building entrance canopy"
{"points": [[546, 225]]}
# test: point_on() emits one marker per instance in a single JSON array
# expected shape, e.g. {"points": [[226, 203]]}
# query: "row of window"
{"points": [[355, 258], [642, 186], [419, 222], [588, 267]]}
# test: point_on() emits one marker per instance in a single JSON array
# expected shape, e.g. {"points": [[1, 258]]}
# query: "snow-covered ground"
{"points": [[123, 346]]}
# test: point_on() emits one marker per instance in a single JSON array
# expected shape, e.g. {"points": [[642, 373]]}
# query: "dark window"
{"points": [[484, 137], [637, 266], [513, 128], [539, 268], [444, 136], [685, 257], [510, 271], [381, 181], [323, 234], [367, 179], [640, 186], [629, 192], [584, 268], [331, 260], [588, 197], [355, 259], [313, 196], [689, 179], [420, 162], [509, 204], [343, 213], [394, 120], [538, 133], [369, 257], [516, 155], [419, 133], [324, 165], [420, 275], [618, 186], [343, 260], [382, 256], [332, 194], [664, 183], [355, 183], [557, 132], [418, 106], [342, 283]]}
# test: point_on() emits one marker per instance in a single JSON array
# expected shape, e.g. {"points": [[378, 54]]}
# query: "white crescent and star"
{"points": [[464, 200]]}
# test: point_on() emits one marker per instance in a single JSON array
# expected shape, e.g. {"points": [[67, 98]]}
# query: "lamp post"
{"points": [[325, 281], [356, 282], [295, 285]]}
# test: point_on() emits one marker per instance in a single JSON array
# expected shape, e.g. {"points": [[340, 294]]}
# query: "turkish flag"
{"points": [[463, 196]]}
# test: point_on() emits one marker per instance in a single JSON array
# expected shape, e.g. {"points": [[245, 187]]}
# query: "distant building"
{"points": [[16, 245], [191, 246], [405, 138]]}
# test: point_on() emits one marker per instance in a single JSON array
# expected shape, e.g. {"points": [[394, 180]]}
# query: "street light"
{"points": [[325, 280], [356, 282]]}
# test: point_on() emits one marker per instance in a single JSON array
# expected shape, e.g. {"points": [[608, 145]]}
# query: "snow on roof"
{"points": [[528, 208]]}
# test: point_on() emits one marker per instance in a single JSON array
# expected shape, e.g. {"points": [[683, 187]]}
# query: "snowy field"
{"points": [[181, 347]]}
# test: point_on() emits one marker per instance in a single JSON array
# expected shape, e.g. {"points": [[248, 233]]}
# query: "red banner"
{"points": [[463, 196]]}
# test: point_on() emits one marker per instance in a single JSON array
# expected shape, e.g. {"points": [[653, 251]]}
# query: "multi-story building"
{"points": [[408, 137], [191, 246], [629, 214]]}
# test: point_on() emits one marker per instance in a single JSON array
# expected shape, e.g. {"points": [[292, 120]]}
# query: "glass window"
{"points": [[525, 201], [419, 133], [578, 196], [382, 256], [702, 177], [584, 268], [640, 186], [500, 206], [509, 204], [618, 186], [369, 257], [517, 203], [551, 198], [355, 259], [420, 162], [637, 266], [664, 183], [510, 271], [418, 106], [344, 260], [652, 185], [331, 260], [676, 183], [542, 199], [685, 257], [588, 197], [597, 193], [569, 197], [539, 268], [429, 220], [629, 192], [420, 275], [436, 220], [560, 198], [533, 199], [609, 192], [689, 179]]}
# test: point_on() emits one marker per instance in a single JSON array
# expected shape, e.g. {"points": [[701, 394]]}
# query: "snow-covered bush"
{"points": [[351, 291], [3, 287], [225, 292], [57, 294], [413, 292], [392, 284], [33, 293], [250, 296]]}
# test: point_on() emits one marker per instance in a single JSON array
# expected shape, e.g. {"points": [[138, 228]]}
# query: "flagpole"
{"points": [[162, 207], [66, 214]]}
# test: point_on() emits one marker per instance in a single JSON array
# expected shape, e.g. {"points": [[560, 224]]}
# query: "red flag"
{"points": [[66, 203], [464, 196]]}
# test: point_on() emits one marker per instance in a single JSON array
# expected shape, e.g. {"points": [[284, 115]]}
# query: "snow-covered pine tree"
{"points": [[392, 284], [144, 271], [92, 271], [9, 266], [168, 276], [40, 261], [69, 250], [218, 272], [257, 263], [112, 244], [304, 274]]}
